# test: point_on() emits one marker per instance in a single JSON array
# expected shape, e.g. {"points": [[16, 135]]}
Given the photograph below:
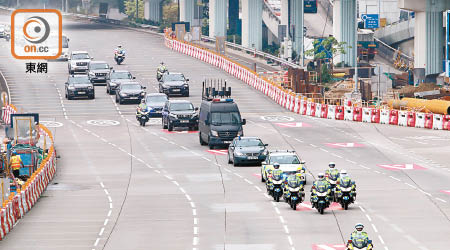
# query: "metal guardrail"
{"points": [[388, 53], [257, 53]]}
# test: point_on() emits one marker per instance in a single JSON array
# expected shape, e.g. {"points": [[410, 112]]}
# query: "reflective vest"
{"points": [[15, 162]]}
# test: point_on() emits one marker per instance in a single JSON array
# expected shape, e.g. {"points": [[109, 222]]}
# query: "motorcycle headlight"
{"points": [[214, 133]]}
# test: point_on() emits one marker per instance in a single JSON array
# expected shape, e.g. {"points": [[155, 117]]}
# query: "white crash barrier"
{"points": [[403, 118], [318, 110], [348, 113], [420, 120], [437, 121], [308, 108], [384, 116], [367, 115], [303, 107], [331, 112]]}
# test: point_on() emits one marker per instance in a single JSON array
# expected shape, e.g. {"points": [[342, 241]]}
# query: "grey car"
{"points": [[98, 71], [247, 150], [130, 92], [78, 86], [116, 77]]}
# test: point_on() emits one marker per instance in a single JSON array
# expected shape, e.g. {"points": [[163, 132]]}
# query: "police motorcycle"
{"points": [[345, 193], [359, 242], [162, 69], [332, 178], [320, 198], [277, 183], [119, 56], [142, 116], [293, 193]]}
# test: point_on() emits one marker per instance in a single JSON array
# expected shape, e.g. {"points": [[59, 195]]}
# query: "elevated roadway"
{"points": [[120, 186]]}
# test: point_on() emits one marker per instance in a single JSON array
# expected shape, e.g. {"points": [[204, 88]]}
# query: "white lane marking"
{"points": [[195, 221], [312, 145], [368, 217], [258, 188], [176, 183], [168, 177], [411, 239], [410, 185], [182, 190], [324, 150], [374, 228], [195, 230], [204, 158], [96, 242], [364, 166], [376, 171], [238, 175], [350, 161], [286, 135], [362, 209], [381, 239], [277, 210], [441, 200], [333, 154], [194, 212], [106, 222], [192, 204], [101, 184], [226, 169], [298, 140], [163, 138], [188, 197], [282, 219], [397, 179], [109, 213], [101, 231], [106, 191], [286, 229], [249, 182], [290, 240]]}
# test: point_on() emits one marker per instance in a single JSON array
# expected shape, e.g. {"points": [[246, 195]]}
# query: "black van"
{"points": [[219, 122], [219, 117]]}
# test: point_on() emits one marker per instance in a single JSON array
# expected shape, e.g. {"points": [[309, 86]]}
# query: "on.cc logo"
{"points": [[36, 29]]}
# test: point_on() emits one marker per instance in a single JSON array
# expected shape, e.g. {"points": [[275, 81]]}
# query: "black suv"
{"points": [[79, 85], [174, 84], [130, 91], [98, 71], [179, 113], [116, 77]]}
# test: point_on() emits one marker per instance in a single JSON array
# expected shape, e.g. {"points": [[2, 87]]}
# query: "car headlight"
{"points": [[238, 153], [123, 94], [91, 73], [264, 152], [194, 115], [186, 85], [112, 84], [214, 133], [71, 88], [173, 116], [90, 87]]}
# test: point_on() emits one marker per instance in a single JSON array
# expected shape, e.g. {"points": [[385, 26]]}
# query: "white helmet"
{"points": [[343, 172], [359, 226], [331, 164], [320, 176]]}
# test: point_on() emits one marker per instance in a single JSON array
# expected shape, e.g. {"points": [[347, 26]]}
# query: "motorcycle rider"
{"points": [[161, 68], [141, 108], [301, 173], [291, 179], [359, 233], [345, 181], [275, 171], [118, 50], [321, 181], [332, 175]]}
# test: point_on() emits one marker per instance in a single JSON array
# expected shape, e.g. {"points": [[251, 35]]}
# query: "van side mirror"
{"points": [[143, 87], [265, 145], [187, 80], [302, 162], [196, 108], [244, 121], [110, 67], [134, 77]]}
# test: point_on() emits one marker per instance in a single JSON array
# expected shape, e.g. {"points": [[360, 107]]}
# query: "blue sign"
{"points": [[447, 46], [371, 21]]}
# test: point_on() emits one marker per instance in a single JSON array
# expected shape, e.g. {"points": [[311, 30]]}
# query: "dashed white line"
{"points": [[324, 150], [258, 188], [249, 182], [392, 177], [439, 199], [333, 154], [350, 161], [101, 231], [312, 145]]}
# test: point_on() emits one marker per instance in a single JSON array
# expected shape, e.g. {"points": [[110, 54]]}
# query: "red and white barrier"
{"points": [[367, 115], [384, 116], [298, 104], [6, 113], [331, 113]]}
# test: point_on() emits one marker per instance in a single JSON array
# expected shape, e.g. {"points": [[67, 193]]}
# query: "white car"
{"points": [[288, 160], [79, 61]]}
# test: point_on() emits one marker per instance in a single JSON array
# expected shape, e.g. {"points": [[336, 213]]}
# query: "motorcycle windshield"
{"points": [[321, 188], [345, 183], [293, 183], [334, 175], [360, 241], [277, 176]]}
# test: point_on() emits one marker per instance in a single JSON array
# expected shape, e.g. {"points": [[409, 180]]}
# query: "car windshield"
{"points": [[284, 159], [249, 143], [156, 99], [181, 107], [99, 66], [219, 118], [65, 42], [173, 77], [131, 87], [121, 75], [78, 79], [80, 56]]}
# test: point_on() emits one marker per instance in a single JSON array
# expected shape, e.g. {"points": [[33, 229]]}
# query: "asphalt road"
{"points": [[120, 186]]}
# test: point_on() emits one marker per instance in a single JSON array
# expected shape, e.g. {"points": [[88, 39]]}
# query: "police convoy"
{"points": [[219, 124]]}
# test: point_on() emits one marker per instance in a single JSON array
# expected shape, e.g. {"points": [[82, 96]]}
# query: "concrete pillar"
{"points": [[297, 13], [187, 10], [233, 16], [218, 18], [152, 10], [284, 12], [252, 23], [347, 30], [429, 41]]}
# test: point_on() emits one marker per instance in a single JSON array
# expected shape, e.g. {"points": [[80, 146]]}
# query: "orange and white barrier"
{"points": [[19, 204], [298, 104]]}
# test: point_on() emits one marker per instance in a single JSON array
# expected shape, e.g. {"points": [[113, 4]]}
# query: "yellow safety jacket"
{"points": [[15, 162]]}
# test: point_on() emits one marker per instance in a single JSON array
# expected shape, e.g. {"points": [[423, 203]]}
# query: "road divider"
{"points": [[306, 106]]}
